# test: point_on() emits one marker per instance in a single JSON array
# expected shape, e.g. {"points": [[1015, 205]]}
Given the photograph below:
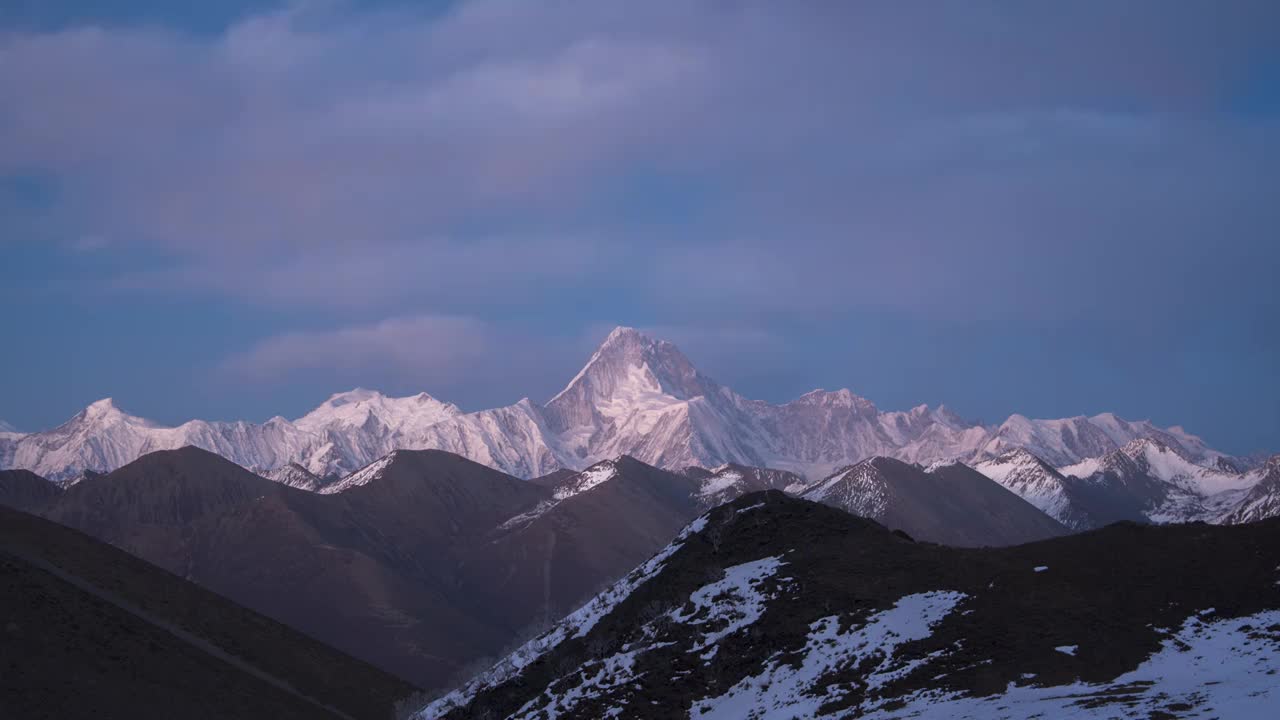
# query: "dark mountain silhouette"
{"points": [[951, 504], [90, 631], [371, 570], [26, 490]]}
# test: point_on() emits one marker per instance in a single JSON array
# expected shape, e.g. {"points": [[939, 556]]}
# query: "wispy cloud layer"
{"points": [[421, 347]]}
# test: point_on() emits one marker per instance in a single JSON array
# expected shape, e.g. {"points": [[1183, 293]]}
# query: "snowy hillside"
{"points": [[771, 607]]}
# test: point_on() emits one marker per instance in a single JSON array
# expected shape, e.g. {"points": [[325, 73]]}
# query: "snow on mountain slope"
{"points": [[513, 439], [635, 396], [1162, 461], [732, 481], [1167, 463], [783, 689], [1033, 480], [1076, 503], [585, 480], [363, 476], [776, 608], [1164, 482], [1220, 665]]}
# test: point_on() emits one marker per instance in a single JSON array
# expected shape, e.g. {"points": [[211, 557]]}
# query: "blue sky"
{"points": [[234, 210]]}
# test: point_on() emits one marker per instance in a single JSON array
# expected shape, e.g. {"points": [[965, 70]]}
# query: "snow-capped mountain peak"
{"points": [[1037, 482], [104, 411], [1018, 459], [359, 408], [842, 399], [862, 489], [629, 369]]}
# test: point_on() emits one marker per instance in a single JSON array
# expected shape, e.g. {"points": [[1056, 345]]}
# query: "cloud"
{"points": [[419, 347], [832, 158]]}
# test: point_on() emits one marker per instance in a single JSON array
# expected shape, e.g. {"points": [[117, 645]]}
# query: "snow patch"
{"points": [[528, 516], [718, 483], [593, 680], [783, 691], [1224, 668], [736, 600], [587, 479]]}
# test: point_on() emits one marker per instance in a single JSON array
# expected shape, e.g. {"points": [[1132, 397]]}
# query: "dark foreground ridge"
{"points": [[90, 631], [778, 607]]}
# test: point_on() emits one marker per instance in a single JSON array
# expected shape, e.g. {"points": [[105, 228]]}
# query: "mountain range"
{"points": [[775, 607], [635, 396]]}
